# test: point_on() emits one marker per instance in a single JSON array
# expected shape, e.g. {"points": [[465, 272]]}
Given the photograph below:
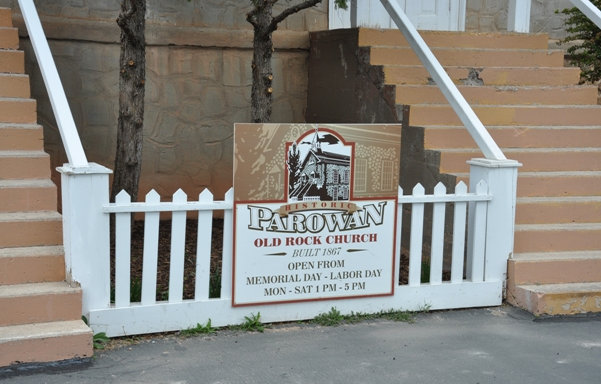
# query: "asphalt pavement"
{"points": [[477, 346]]}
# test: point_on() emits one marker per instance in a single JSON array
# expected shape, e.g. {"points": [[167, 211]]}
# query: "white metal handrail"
{"points": [[466, 114], [58, 99], [592, 12]]}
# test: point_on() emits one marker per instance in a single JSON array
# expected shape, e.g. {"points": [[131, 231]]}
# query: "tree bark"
{"points": [[132, 74], [264, 24]]}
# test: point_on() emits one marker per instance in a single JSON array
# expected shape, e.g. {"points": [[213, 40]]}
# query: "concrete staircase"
{"points": [[40, 320], [534, 109]]}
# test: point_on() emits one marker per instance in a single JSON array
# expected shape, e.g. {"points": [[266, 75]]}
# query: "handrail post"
{"points": [[476, 129], [501, 177], [86, 232], [518, 16], [56, 93]]}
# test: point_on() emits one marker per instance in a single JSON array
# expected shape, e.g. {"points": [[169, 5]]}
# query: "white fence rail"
{"points": [[464, 274]]}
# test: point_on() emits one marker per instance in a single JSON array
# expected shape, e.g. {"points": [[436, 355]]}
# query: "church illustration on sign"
{"points": [[319, 167]]}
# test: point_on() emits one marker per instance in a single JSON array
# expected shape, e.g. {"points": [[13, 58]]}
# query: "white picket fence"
{"points": [[488, 209]]}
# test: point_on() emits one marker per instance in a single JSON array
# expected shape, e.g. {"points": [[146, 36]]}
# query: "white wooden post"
{"points": [[518, 16], [501, 177], [86, 231]]}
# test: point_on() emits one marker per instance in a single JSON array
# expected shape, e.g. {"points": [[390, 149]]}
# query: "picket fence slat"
{"points": [[122, 252], [178, 249], [399, 231], [458, 235], [478, 237], [227, 253], [417, 234], [437, 245], [151, 251], [203, 249], [167, 207]]}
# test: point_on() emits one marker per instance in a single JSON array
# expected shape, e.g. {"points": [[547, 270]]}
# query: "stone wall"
{"points": [[198, 83], [491, 15]]}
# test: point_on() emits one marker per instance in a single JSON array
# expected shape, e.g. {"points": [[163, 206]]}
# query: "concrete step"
{"points": [[536, 238], [470, 57], [393, 37], [436, 137], [25, 229], [17, 110], [21, 137], [555, 268], [501, 95], [27, 195], [9, 38], [552, 184], [532, 159], [6, 17], [45, 342], [557, 299], [24, 165], [39, 303], [23, 265], [12, 61], [520, 115], [558, 210], [14, 85], [524, 76]]}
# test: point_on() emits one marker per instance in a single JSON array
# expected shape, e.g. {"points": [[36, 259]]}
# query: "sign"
{"points": [[314, 211]]}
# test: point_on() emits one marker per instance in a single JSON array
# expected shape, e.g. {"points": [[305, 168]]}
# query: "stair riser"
{"points": [[41, 308], [490, 76], [551, 186], [32, 269], [14, 86], [508, 115], [555, 304], [31, 233], [6, 17], [24, 139], [28, 199], [46, 349], [24, 167], [453, 162], [393, 37], [469, 58], [554, 271], [19, 111], [557, 241], [12, 61], [514, 137], [9, 38], [558, 212], [500, 96]]}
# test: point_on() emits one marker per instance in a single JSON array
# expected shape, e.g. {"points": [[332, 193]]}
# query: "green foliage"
{"points": [[585, 51], [425, 275], [99, 340], [341, 4], [332, 318], [198, 330], [215, 285], [252, 323], [135, 291]]}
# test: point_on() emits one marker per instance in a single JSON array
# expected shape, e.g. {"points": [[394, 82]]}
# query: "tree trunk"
{"points": [[264, 24], [132, 64], [262, 91]]}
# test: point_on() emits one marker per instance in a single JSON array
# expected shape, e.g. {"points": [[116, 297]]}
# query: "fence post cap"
{"points": [[92, 168], [492, 163]]}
